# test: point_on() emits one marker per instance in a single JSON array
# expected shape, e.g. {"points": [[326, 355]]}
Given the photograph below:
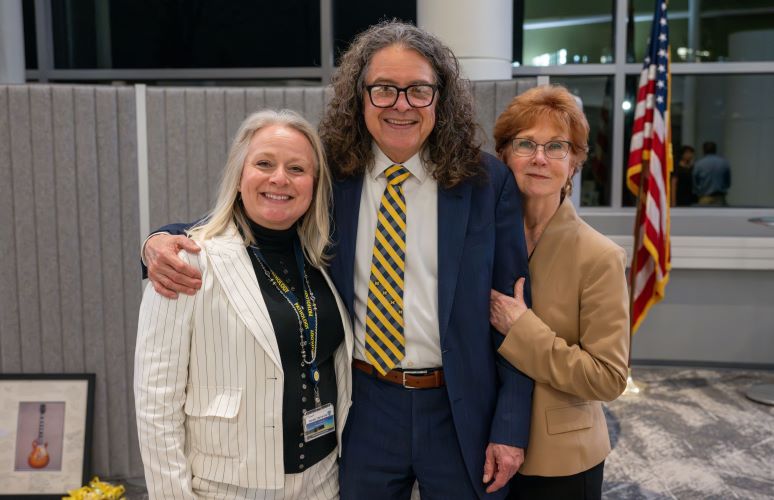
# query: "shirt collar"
{"points": [[415, 165]]}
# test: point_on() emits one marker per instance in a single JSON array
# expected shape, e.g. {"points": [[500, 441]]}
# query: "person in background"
{"points": [[425, 224], [711, 177], [242, 389], [574, 339], [682, 179]]}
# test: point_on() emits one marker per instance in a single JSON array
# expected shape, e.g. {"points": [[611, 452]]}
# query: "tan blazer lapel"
{"points": [[234, 271], [550, 247]]}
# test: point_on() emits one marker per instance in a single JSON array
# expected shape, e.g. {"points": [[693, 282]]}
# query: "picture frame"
{"points": [[45, 434]]}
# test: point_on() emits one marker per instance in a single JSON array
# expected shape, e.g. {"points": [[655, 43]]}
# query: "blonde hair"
{"points": [[314, 226]]}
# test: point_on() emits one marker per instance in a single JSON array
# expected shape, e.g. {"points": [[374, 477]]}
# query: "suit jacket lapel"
{"points": [[234, 271], [346, 208], [453, 211], [348, 338]]}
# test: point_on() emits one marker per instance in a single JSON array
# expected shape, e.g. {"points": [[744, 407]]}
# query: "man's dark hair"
{"points": [[685, 148], [709, 148]]}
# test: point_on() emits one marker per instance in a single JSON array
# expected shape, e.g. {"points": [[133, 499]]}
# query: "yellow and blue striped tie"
{"points": [[384, 342]]}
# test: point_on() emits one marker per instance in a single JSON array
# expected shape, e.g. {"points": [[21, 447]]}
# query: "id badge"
{"points": [[318, 422]]}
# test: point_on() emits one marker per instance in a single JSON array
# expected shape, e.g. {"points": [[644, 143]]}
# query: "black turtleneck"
{"points": [[276, 246]]}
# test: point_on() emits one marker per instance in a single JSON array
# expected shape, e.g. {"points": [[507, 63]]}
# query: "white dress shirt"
{"points": [[420, 290]]}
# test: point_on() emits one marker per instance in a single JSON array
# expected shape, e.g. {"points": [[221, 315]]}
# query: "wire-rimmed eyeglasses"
{"points": [[417, 96], [556, 150]]}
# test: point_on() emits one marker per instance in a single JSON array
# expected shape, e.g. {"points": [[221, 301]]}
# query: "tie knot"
{"points": [[396, 174]]}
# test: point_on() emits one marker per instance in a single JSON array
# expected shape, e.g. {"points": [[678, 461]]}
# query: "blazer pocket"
{"points": [[211, 417], [568, 418]]}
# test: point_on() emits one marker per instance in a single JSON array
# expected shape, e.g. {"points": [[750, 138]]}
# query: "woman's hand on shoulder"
{"points": [[504, 310]]}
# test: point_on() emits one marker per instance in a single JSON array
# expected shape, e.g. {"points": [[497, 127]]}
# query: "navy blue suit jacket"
{"points": [[480, 246]]}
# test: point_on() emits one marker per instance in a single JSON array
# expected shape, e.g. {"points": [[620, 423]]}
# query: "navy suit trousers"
{"points": [[395, 436]]}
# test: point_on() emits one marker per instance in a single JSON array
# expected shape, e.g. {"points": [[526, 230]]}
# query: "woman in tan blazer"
{"points": [[574, 340], [242, 389]]}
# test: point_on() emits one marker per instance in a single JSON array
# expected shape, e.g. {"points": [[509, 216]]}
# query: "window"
{"points": [[734, 113], [557, 33], [596, 94], [350, 17], [123, 34], [710, 30]]}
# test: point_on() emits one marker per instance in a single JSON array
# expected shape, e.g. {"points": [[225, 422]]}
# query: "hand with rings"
{"points": [[504, 311]]}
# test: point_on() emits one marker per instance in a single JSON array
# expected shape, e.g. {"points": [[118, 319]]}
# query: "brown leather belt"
{"points": [[410, 379]]}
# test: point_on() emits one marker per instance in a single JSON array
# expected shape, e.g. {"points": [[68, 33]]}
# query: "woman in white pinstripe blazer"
{"points": [[225, 377]]}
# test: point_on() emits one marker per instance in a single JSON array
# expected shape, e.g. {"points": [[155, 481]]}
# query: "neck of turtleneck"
{"points": [[273, 240]]}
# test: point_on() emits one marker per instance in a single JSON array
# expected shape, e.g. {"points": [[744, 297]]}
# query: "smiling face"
{"points": [[400, 130], [538, 176], [277, 183]]}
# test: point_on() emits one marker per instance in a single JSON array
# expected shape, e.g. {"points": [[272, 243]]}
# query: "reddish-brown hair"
{"points": [[552, 104]]}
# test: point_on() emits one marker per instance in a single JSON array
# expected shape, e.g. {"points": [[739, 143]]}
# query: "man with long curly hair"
{"points": [[425, 224], [398, 99]]}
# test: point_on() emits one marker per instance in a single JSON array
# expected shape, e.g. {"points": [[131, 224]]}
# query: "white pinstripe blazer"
{"points": [[208, 379]]}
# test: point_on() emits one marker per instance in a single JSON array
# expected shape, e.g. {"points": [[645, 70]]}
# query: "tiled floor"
{"points": [[691, 434]]}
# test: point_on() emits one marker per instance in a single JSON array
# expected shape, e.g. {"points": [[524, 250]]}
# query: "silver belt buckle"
{"points": [[412, 372]]}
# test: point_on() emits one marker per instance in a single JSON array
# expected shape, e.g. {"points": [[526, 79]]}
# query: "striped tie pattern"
{"points": [[384, 342]]}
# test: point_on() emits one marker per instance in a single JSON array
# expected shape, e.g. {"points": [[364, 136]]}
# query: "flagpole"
{"points": [[650, 158], [631, 386]]}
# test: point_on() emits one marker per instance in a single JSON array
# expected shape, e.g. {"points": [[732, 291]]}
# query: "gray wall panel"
{"points": [[45, 228], [196, 143], [176, 154], [115, 355], [254, 100], [274, 98], [24, 221], [68, 240], [314, 105], [485, 111], [235, 112], [217, 143], [130, 243], [10, 346], [504, 93], [327, 95], [294, 99], [91, 269], [157, 157], [716, 316]]}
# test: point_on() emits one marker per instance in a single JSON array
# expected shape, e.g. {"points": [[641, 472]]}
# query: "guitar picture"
{"points": [[39, 457]]}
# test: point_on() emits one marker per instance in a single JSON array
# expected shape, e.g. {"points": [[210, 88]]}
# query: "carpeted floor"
{"points": [[692, 434]]}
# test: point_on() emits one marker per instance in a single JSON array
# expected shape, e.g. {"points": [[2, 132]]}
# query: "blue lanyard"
{"points": [[306, 314]]}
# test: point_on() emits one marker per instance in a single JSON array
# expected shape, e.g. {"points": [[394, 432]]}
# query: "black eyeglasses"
{"points": [[417, 96], [556, 150]]}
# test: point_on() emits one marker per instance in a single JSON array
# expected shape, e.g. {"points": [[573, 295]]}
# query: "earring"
{"points": [[567, 188]]}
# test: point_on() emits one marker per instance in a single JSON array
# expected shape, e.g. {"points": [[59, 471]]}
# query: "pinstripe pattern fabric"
{"points": [[208, 380], [319, 482], [385, 345]]}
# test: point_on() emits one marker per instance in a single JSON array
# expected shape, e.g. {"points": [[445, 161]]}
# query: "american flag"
{"points": [[648, 173]]}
